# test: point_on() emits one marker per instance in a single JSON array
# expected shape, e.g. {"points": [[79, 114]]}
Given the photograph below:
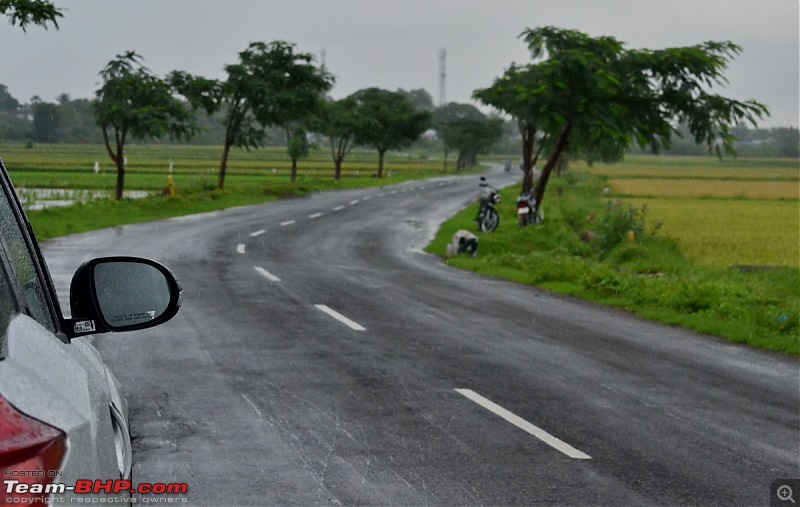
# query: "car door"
{"points": [[47, 378]]}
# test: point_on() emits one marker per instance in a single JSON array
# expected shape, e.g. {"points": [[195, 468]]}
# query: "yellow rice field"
{"points": [[722, 232], [753, 189], [722, 213]]}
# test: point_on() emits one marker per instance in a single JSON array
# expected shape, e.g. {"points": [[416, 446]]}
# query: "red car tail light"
{"points": [[30, 453]]}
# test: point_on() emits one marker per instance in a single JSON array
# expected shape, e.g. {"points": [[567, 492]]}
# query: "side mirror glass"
{"points": [[122, 294]]}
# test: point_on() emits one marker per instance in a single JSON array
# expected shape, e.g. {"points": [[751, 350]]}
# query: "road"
{"points": [[321, 358]]}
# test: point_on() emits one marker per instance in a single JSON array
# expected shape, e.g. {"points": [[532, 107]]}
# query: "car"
{"points": [[63, 415]]}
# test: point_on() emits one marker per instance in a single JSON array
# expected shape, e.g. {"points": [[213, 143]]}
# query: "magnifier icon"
{"points": [[785, 493]]}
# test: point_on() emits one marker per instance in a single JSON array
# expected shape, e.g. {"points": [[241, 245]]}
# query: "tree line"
{"points": [[580, 96]]}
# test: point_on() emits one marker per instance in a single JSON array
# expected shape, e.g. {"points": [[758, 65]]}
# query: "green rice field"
{"points": [[73, 166]]}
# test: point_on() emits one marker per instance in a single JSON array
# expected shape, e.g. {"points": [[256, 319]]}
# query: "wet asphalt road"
{"points": [[321, 358]]}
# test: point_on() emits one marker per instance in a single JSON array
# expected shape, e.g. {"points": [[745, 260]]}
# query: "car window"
{"points": [[6, 307], [23, 265]]}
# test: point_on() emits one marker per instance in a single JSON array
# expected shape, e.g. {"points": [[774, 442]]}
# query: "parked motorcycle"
{"points": [[488, 219], [526, 205]]}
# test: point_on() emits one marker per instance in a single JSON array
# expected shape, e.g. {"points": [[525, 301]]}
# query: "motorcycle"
{"points": [[488, 219], [526, 205]]}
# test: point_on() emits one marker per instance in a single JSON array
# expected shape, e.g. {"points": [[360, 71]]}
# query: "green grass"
{"points": [[650, 277]]}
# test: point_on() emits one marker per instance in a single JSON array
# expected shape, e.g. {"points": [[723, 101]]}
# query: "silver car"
{"points": [[63, 417]]}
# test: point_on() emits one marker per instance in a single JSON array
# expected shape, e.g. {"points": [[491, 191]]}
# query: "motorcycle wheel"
{"points": [[490, 221], [523, 220]]}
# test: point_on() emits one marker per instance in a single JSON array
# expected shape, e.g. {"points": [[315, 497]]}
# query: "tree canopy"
{"points": [[600, 97], [271, 85], [134, 103], [338, 121], [387, 121], [291, 91], [27, 12], [462, 127]]}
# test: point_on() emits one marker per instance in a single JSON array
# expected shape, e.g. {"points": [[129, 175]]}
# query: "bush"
{"points": [[618, 222]]}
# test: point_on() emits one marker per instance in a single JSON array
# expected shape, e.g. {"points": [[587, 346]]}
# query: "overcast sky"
{"points": [[395, 44]]}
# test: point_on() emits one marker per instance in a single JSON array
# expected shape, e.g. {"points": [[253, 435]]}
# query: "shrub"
{"points": [[618, 221]]}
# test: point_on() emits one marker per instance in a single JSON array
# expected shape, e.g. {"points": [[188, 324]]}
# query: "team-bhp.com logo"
{"points": [[16, 492]]}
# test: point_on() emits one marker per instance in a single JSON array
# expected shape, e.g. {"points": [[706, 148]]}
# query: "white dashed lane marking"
{"points": [[315, 215], [257, 233], [341, 318], [524, 425], [288, 222], [266, 274], [240, 248]]}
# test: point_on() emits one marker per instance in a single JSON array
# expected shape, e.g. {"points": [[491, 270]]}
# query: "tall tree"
{"points": [[594, 93], [291, 90], [8, 104], [297, 146], [26, 12], [133, 103], [387, 121], [46, 122], [462, 127], [338, 121], [270, 86]]}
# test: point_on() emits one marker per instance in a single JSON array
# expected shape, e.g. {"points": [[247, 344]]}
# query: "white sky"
{"points": [[395, 44]]}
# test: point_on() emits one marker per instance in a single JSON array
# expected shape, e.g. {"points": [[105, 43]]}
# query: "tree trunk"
{"points": [[381, 154], [287, 130], [223, 166], [541, 185], [120, 176], [337, 168], [461, 162], [118, 158], [528, 136]]}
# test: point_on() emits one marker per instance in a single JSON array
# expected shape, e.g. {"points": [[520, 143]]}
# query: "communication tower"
{"points": [[442, 76]]}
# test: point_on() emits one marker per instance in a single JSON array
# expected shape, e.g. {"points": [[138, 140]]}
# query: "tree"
{"points": [[338, 120], [387, 121], [271, 85], [462, 127], [470, 137], [420, 97], [135, 104], [291, 90], [600, 97], [450, 113], [46, 122], [77, 122], [25, 12], [297, 146], [8, 104]]}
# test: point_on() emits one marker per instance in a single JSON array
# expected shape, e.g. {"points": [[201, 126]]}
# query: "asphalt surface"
{"points": [[321, 358]]}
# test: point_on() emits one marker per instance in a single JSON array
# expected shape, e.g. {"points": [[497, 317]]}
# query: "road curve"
{"points": [[322, 358]]}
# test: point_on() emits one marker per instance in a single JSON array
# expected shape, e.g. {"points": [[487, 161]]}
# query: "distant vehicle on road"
{"points": [[63, 416]]}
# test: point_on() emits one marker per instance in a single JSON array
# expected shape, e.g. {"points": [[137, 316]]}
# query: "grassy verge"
{"points": [[649, 276], [197, 198]]}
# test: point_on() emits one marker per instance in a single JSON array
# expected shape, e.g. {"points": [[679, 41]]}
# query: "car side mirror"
{"points": [[113, 294]]}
